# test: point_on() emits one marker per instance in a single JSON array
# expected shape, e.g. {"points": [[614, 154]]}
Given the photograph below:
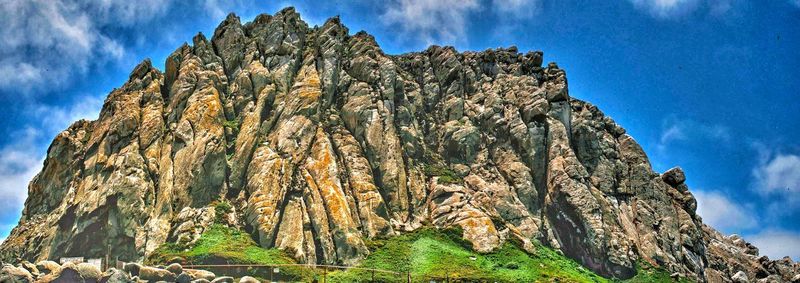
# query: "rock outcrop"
{"points": [[320, 140]]}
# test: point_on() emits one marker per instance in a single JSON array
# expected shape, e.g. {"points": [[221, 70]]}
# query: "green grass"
{"points": [[233, 124], [438, 255], [429, 254], [224, 245], [445, 174]]}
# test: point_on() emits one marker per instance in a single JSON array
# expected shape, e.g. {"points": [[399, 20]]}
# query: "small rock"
{"points": [[156, 274], [223, 279], [88, 271], [248, 279], [200, 274], [113, 275], [740, 277], [175, 268], [183, 278], [796, 279], [132, 268], [201, 281]]}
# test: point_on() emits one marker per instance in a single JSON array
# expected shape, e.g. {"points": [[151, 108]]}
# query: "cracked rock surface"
{"points": [[321, 141]]}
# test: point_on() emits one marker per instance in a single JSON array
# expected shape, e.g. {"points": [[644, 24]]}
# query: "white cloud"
{"points": [[670, 9], [446, 21], [776, 179], [19, 162], [777, 244], [23, 158], [780, 174], [721, 213], [675, 130], [47, 43], [433, 21], [517, 9]]}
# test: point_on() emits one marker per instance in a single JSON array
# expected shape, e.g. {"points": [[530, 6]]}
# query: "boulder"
{"points": [[89, 272], [47, 266], [223, 279], [200, 274], [183, 278], [132, 268], [12, 274], [248, 279], [740, 277], [175, 268], [156, 274], [113, 275], [674, 177]]}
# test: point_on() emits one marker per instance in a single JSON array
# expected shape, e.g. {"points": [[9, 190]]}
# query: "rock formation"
{"points": [[320, 140]]}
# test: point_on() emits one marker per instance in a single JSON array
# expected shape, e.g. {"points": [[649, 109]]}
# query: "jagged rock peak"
{"points": [[321, 141]]}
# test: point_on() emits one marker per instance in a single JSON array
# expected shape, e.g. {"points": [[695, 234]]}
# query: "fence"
{"points": [[274, 273]]}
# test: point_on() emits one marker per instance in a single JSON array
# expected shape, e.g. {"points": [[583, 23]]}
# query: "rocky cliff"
{"points": [[320, 140]]}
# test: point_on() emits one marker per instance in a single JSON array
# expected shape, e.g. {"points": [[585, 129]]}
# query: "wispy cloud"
{"points": [[516, 9], [447, 21], [22, 159], [776, 178], [676, 130], [434, 21], [722, 213], [777, 243], [671, 9]]}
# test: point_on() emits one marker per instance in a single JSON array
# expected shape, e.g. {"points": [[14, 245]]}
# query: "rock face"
{"points": [[320, 140]]}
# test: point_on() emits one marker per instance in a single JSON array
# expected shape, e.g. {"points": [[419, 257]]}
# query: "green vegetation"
{"points": [[646, 272], [445, 174], [428, 254], [233, 124], [224, 245], [438, 255], [221, 209]]}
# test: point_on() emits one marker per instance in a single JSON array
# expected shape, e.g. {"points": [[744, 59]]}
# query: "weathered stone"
{"points": [[89, 272], [200, 274], [113, 275], [740, 277], [674, 176], [319, 141], [47, 266], [155, 274], [248, 279], [10, 273], [223, 279]]}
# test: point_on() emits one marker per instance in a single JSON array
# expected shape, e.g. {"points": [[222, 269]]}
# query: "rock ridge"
{"points": [[320, 141]]}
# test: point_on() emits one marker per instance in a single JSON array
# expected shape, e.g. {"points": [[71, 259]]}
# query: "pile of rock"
{"points": [[49, 271]]}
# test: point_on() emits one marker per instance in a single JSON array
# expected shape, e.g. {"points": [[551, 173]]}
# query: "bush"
{"points": [[221, 209], [445, 174]]}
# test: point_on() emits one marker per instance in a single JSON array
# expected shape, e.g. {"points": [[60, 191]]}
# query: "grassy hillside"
{"points": [[439, 255], [224, 245], [429, 255]]}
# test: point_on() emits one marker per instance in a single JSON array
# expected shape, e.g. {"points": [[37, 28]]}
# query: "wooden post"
{"points": [[324, 275]]}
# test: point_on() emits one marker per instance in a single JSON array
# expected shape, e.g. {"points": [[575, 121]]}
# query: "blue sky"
{"points": [[709, 85]]}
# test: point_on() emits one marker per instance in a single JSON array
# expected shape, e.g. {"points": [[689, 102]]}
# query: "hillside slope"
{"points": [[320, 141]]}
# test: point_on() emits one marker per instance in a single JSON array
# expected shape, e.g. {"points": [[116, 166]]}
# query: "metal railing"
{"points": [[324, 267]]}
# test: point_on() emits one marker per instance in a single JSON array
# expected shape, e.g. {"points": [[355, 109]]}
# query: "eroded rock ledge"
{"points": [[320, 140]]}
